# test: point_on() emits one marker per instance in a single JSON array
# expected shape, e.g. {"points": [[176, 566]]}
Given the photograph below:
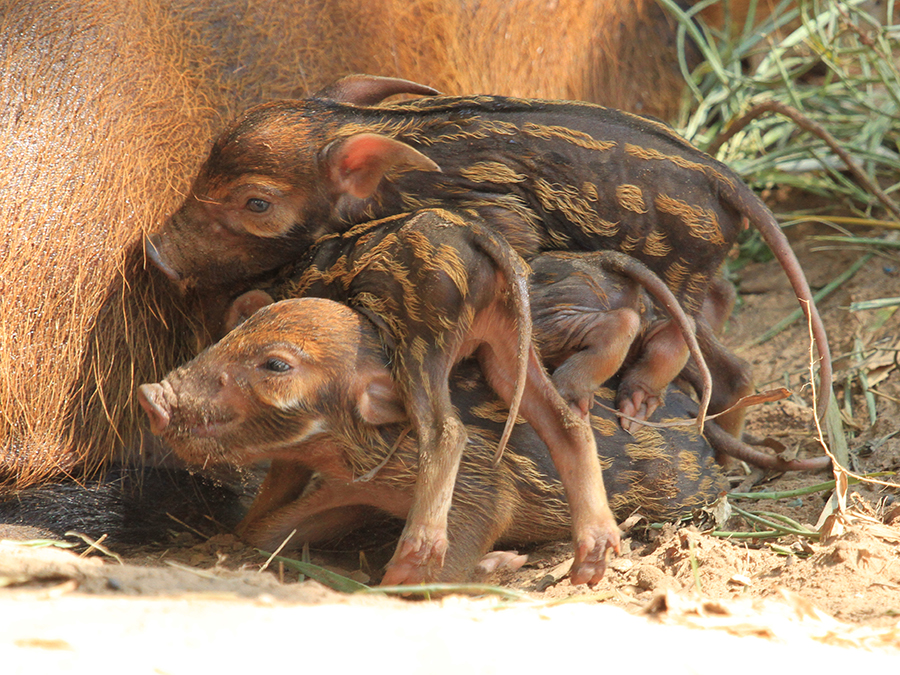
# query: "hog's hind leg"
{"points": [[602, 350], [664, 354]]}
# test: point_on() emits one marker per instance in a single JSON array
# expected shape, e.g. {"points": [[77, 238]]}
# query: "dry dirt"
{"points": [[843, 590]]}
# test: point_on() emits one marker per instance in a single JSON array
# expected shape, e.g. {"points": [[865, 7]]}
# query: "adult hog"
{"points": [[100, 121], [306, 384], [107, 106]]}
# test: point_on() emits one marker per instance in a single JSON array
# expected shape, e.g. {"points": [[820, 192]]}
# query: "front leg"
{"points": [[283, 484], [325, 511], [419, 556]]}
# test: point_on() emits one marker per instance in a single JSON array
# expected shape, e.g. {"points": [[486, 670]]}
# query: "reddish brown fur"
{"points": [[574, 294], [548, 175], [590, 315]]}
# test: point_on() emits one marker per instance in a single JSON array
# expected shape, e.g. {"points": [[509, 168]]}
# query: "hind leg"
{"points": [[573, 450], [478, 518], [663, 354], [731, 376], [600, 353]]}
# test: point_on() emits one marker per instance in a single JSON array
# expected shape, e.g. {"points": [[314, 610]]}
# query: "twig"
{"points": [[800, 492], [814, 128], [203, 574], [369, 475], [278, 550], [761, 534], [188, 527], [695, 567], [98, 545], [767, 396], [470, 589], [864, 381], [784, 529]]}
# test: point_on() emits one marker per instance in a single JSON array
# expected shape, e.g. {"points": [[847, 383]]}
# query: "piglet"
{"points": [[306, 384]]}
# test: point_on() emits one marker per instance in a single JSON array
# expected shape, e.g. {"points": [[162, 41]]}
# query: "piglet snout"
{"points": [[151, 398]]}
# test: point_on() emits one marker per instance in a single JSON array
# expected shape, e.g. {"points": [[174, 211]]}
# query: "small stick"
{"points": [[278, 550], [98, 545], [814, 128]]}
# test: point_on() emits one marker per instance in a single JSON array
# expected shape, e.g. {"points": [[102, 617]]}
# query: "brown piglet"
{"points": [[591, 314], [306, 384]]}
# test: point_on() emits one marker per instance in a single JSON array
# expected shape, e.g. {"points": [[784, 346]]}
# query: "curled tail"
{"points": [[516, 271], [764, 221]]}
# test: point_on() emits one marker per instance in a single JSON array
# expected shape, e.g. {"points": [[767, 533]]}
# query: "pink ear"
{"points": [[357, 164], [378, 402], [244, 306]]}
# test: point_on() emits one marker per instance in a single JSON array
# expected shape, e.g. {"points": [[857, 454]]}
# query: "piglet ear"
{"points": [[244, 306], [356, 165], [378, 402], [371, 89]]}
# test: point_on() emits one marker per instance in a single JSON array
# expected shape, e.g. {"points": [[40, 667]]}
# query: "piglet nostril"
{"points": [[153, 249], [148, 396]]}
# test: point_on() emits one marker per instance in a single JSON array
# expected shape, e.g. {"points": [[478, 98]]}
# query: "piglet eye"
{"points": [[257, 205], [276, 365]]}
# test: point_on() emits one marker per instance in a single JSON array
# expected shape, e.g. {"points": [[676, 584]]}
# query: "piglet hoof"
{"points": [[500, 560], [418, 559], [579, 399], [638, 404], [591, 553]]}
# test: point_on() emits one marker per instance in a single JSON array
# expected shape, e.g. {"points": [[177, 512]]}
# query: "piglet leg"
{"points": [[477, 521], [283, 485], [501, 560], [574, 453], [328, 508], [731, 375], [664, 353], [442, 437], [607, 337]]}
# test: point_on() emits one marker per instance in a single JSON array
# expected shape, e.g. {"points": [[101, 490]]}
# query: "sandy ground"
{"points": [[209, 634]]}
